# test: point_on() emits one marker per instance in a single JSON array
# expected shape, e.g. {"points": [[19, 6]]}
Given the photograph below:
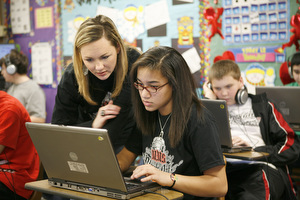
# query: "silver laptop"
{"points": [[82, 159], [220, 111], [287, 99]]}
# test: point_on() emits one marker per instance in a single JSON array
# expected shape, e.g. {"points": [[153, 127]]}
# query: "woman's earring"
{"points": [[85, 70]]}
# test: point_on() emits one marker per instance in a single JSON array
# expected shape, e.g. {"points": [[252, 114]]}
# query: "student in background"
{"points": [[94, 90], [178, 139], [295, 69], [255, 121], [28, 92], [19, 161]]}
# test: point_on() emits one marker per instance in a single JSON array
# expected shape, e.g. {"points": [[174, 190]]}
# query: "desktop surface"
{"points": [[44, 187]]}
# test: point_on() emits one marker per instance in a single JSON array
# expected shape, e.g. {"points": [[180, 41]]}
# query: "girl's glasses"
{"points": [[151, 89]]}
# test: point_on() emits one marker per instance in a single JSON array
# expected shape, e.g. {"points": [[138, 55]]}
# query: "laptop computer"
{"points": [[82, 159], [287, 99], [219, 109]]}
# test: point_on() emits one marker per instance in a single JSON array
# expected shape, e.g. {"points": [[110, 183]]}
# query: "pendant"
{"points": [[158, 143]]}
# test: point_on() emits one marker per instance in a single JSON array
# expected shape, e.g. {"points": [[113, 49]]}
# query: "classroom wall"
{"points": [[217, 45], [177, 23], [42, 29]]}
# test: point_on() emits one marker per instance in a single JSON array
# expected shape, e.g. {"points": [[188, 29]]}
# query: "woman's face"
{"points": [[160, 100], [296, 73], [226, 88], [100, 57]]}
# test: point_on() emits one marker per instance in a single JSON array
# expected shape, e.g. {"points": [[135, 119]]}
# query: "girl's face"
{"points": [[296, 73], [100, 57], [160, 100], [226, 88]]}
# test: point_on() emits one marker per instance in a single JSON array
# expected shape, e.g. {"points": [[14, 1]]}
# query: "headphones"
{"points": [[290, 64], [241, 95], [11, 69]]}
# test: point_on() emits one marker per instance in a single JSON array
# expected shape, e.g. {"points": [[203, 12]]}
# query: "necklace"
{"points": [[162, 127], [158, 143]]}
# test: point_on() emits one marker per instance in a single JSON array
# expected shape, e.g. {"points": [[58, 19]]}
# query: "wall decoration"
{"points": [[213, 21], [204, 44], [80, 2], [257, 75], [42, 2], [257, 54], [44, 17], [41, 56], [130, 23], [185, 26], [227, 55], [295, 38], [73, 26], [247, 22], [150, 27], [20, 16], [69, 5]]}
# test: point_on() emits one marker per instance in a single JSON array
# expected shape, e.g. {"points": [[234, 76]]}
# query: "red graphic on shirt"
{"points": [[158, 156]]}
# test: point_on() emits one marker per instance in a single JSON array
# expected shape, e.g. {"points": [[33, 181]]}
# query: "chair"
{"points": [[38, 195]]}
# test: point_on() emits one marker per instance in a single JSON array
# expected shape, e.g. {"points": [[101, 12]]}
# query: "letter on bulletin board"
{"points": [[20, 16], [44, 17], [41, 56]]}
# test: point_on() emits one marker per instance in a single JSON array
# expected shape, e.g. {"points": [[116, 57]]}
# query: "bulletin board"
{"points": [[254, 31], [144, 24], [259, 22]]}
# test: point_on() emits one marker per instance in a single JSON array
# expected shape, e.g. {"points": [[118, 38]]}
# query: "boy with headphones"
{"points": [[255, 121], [28, 92], [294, 69]]}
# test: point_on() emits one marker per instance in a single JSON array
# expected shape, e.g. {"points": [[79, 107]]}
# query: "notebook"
{"points": [[287, 99], [82, 159], [219, 109]]}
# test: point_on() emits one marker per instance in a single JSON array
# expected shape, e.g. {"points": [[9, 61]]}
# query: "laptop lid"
{"points": [[77, 154], [286, 98], [219, 109]]}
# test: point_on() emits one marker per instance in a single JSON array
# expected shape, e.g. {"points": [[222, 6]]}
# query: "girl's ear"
{"points": [[118, 49]]}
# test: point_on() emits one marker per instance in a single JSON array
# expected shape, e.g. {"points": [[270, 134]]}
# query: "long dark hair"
{"points": [[172, 66]]}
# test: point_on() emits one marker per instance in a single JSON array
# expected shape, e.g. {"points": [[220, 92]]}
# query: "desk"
{"points": [[247, 155], [43, 186]]}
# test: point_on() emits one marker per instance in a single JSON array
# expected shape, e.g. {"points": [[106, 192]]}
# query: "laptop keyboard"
{"points": [[131, 186]]}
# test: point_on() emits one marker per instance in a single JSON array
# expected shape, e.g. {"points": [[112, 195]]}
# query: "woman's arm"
{"points": [[213, 183], [125, 158]]}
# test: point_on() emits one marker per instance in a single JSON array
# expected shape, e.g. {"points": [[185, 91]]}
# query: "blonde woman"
{"points": [[94, 90]]}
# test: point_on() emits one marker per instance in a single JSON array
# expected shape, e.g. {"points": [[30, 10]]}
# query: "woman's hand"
{"points": [[152, 174], [105, 113], [208, 93], [237, 141]]}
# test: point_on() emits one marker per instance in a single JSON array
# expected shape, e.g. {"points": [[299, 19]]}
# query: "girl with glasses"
{"points": [[175, 135]]}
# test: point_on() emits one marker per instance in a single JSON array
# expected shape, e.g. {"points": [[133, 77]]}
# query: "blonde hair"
{"points": [[222, 68], [90, 31]]}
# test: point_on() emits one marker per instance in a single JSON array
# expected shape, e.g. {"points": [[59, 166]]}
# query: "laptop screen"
{"points": [[286, 98], [219, 109]]}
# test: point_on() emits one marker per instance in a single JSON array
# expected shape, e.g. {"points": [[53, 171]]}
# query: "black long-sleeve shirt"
{"points": [[72, 109]]}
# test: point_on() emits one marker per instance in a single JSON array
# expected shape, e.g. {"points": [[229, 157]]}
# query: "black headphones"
{"points": [[241, 95], [10, 68], [290, 64]]}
